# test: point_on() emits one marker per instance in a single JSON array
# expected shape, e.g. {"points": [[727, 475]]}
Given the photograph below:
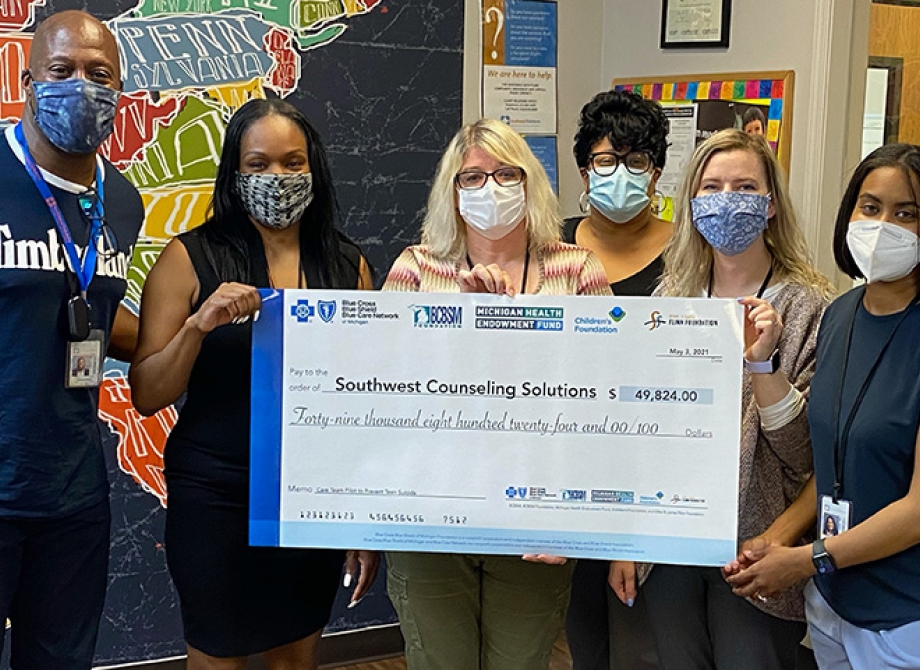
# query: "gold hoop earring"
{"points": [[657, 202]]}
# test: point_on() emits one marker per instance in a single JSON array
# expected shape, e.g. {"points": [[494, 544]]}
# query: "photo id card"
{"points": [[835, 517], [84, 361]]}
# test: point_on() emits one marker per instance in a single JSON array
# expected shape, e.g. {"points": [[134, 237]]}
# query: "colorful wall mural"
{"points": [[380, 79]]}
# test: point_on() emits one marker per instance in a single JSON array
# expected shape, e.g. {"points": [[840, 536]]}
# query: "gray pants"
{"points": [[699, 624], [602, 632]]}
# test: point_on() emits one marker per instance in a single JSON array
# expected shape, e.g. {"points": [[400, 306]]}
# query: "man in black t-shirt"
{"points": [[68, 224]]}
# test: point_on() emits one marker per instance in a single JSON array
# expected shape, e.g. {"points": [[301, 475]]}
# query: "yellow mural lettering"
{"points": [[235, 96], [175, 209]]}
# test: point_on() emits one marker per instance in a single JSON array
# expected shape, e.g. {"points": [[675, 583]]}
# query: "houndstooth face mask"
{"points": [[275, 200]]}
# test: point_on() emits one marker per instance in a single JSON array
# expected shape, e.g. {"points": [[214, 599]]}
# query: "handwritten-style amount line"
{"points": [[479, 430]]}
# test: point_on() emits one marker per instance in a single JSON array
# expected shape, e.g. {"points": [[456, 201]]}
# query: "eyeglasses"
{"points": [[471, 180], [605, 163], [93, 210]]}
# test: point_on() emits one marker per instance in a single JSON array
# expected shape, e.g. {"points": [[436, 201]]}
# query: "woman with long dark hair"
{"points": [[271, 224], [863, 593]]}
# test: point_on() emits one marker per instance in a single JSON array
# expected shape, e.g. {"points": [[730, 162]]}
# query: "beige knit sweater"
{"points": [[775, 464], [564, 270]]}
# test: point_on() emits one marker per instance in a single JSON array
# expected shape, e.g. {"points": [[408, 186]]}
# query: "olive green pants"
{"points": [[475, 612]]}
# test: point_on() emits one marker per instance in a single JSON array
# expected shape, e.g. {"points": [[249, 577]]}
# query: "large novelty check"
{"points": [[577, 426]]}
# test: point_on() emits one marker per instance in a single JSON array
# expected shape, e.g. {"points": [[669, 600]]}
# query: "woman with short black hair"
{"points": [[620, 148]]}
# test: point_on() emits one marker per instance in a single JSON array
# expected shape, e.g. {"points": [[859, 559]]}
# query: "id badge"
{"points": [[835, 517], [84, 361]]}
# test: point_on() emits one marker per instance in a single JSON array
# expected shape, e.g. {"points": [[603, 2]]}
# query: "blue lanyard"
{"points": [[84, 271]]}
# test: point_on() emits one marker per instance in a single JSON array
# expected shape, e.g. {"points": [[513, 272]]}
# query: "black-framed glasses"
{"points": [[605, 163], [92, 208], [472, 180]]}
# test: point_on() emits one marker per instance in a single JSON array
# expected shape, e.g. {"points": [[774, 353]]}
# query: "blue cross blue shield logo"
{"points": [[302, 311], [326, 310]]}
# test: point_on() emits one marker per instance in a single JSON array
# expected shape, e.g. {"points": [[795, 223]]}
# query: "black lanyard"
{"points": [[763, 287], [841, 439], [523, 279]]}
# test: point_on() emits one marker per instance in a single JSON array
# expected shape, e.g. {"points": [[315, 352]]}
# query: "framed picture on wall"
{"points": [[687, 24]]}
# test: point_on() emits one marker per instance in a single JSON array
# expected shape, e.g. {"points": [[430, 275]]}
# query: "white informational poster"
{"points": [[682, 136], [519, 52], [593, 427], [522, 97]]}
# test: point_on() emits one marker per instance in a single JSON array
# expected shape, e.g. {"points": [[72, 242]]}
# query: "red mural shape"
{"points": [[135, 122], [18, 14], [14, 58], [283, 77], [140, 439]]}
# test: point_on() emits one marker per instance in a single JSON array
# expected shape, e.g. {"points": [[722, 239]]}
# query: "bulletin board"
{"points": [[728, 96]]}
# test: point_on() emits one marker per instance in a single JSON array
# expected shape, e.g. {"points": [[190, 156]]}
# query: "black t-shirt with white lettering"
{"points": [[51, 461]]}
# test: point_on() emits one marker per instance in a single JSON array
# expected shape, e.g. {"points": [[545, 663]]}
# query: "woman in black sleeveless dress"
{"points": [[271, 224]]}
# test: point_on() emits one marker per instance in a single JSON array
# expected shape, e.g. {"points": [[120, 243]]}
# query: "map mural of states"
{"points": [[380, 79]]}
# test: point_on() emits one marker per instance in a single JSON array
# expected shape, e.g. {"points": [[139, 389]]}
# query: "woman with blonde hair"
{"points": [[736, 236], [492, 227]]}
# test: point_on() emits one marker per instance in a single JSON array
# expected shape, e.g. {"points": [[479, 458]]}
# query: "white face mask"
{"points": [[493, 210], [882, 250]]}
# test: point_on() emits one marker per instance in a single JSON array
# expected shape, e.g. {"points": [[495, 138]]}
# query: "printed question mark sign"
{"points": [[500, 20]]}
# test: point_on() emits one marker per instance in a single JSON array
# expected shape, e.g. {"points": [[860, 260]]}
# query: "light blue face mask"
{"points": [[621, 196], [76, 115], [731, 220]]}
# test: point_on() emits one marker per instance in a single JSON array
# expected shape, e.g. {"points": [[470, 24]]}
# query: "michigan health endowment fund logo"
{"points": [[302, 311]]}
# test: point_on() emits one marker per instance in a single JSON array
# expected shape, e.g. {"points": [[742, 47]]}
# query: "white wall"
{"points": [[821, 40], [824, 41]]}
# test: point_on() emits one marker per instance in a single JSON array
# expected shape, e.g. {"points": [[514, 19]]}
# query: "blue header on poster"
{"points": [[544, 148], [530, 33]]}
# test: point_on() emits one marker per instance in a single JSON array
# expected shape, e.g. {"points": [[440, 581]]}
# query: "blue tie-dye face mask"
{"points": [[730, 221], [76, 115]]}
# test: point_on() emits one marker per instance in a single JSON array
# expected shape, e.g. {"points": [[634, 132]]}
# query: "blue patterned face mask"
{"points": [[76, 115], [731, 220]]}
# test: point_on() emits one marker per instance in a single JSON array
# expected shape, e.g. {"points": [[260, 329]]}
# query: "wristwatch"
{"points": [[767, 367], [823, 561]]}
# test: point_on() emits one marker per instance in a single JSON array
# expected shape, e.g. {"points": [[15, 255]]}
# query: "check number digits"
{"points": [[390, 517]]}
